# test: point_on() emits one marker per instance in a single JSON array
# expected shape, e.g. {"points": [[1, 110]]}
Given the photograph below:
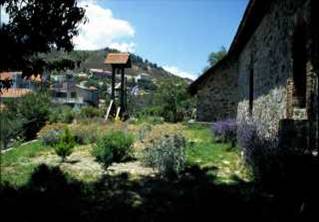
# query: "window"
{"points": [[251, 91], [299, 54]]}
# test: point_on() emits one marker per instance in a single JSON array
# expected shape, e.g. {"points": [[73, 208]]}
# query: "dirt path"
{"points": [[133, 168], [82, 165]]}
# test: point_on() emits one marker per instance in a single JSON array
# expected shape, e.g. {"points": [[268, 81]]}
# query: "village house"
{"points": [[33, 82], [20, 86], [89, 95], [65, 91], [13, 93], [101, 74], [270, 73]]}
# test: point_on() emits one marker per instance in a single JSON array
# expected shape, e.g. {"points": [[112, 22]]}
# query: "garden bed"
{"points": [[222, 161]]}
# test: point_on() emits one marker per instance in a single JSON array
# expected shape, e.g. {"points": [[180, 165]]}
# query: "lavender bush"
{"points": [[167, 155], [51, 138], [260, 153], [225, 131]]}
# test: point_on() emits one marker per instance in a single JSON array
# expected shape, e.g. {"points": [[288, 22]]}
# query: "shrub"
{"points": [[113, 147], [61, 114], [145, 129], [149, 111], [57, 127], [167, 155], [260, 153], [51, 138], [34, 109], [226, 131], [154, 120], [173, 100], [90, 112], [65, 146], [11, 128], [85, 134]]}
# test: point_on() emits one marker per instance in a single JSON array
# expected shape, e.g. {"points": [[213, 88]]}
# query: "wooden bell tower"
{"points": [[119, 61]]}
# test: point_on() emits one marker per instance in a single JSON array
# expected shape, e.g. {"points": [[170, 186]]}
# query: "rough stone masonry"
{"points": [[270, 73]]}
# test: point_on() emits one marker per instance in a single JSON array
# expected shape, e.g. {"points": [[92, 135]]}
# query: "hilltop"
{"points": [[95, 60]]}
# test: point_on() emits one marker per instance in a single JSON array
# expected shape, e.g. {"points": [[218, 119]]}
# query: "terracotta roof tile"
{"points": [[117, 58], [34, 77], [14, 92], [5, 76]]}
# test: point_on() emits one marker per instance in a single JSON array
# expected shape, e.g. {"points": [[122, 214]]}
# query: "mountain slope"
{"points": [[95, 60]]}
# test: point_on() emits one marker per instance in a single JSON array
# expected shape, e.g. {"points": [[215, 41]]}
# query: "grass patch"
{"points": [[17, 175], [223, 161], [16, 165], [22, 153], [19, 164]]}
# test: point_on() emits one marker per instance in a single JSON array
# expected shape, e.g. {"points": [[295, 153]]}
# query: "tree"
{"points": [[215, 57], [34, 27], [173, 100], [65, 146], [11, 127], [33, 109]]}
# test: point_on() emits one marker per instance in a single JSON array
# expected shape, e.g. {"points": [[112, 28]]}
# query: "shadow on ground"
{"points": [[52, 196]]}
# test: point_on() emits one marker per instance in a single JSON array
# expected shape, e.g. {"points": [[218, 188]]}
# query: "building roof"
{"points": [[14, 92], [34, 78], [5, 76], [253, 15], [118, 59], [10, 76], [96, 70], [91, 88]]}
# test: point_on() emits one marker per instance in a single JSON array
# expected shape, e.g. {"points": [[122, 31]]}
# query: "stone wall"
{"points": [[218, 95], [270, 59], [269, 56]]}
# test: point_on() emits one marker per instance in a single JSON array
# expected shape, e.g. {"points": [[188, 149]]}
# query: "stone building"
{"points": [[217, 93], [272, 69]]}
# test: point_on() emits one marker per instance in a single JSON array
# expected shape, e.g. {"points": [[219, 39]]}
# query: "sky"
{"points": [[176, 34]]}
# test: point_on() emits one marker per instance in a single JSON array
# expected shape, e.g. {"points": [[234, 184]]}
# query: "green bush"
{"points": [[34, 109], [113, 147], [154, 120], [150, 111], [90, 112], [145, 129], [65, 146], [174, 102], [167, 155], [11, 128], [85, 133], [51, 138], [61, 114]]}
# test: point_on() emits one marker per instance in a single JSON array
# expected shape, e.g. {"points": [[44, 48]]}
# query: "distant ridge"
{"points": [[95, 60]]}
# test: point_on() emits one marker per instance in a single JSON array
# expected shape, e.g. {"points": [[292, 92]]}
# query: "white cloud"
{"points": [[103, 29], [123, 47], [178, 72]]}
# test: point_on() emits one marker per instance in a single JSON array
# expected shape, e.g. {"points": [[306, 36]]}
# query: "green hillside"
{"points": [[95, 60]]}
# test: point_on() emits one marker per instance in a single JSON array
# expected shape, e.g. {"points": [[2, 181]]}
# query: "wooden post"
{"points": [[122, 91], [113, 83], [109, 109]]}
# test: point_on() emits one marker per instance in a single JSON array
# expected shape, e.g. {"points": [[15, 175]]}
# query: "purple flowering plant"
{"points": [[225, 130]]}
